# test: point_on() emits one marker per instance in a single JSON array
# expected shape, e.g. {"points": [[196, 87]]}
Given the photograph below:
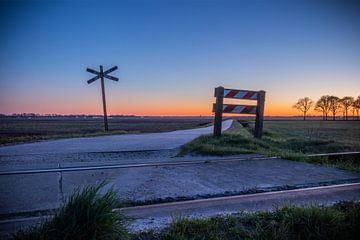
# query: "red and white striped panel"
{"points": [[240, 94], [241, 109]]}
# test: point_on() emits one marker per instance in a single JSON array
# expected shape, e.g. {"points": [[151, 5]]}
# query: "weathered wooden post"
{"points": [[219, 94], [219, 108], [103, 98], [259, 114], [103, 74]]}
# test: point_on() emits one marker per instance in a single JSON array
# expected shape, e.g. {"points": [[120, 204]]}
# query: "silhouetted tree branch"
{"points": [[356, 107], [335, 105], [346, 103], [323, 105], [304, 105]]}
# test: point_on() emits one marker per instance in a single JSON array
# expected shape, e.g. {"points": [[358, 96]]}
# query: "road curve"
{"points": [[126, 142]]}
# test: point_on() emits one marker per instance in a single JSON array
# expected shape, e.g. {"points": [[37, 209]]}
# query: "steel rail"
{"points": [[332, 154], [137, 165], [159, 164]]}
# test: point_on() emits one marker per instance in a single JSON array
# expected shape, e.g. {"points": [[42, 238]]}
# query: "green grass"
{"points": [[86, 215], [343, 132], [291, 140], [341, 221]]}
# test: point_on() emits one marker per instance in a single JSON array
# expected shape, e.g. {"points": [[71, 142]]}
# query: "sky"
{"points": [[172, 54]]}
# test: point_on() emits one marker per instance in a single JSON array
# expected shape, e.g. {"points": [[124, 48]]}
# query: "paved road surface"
{"points": [[126, 142]]}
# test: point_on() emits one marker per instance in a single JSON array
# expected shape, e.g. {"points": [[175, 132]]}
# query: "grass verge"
{"points": [[238, 140], [341, 221], [86, 215]]}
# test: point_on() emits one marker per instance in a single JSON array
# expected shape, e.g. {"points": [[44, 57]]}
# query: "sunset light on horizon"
{"points": [[172, 54]]}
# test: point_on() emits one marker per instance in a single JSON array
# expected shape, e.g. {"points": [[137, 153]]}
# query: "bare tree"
{"points": [[323, 105], [353, 109], [304, 105], [356, 107], [346, 103], [334, 105]]}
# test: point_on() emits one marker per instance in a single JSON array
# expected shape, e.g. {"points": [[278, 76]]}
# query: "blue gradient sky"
{"points": [[171, 54]]}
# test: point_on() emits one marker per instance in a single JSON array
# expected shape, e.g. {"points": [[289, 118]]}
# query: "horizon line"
{"points": [[135, 115]]}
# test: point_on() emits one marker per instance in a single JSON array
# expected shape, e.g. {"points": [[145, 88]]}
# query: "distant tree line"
{"points": [[330, 106], [37, 115]]}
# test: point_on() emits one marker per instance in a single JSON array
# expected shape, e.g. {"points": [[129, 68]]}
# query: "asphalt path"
{"points": [[126, 142]]}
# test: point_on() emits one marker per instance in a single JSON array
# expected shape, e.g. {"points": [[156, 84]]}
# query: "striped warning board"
{"points": [[240, 94], [239, 109], [219, 107]]}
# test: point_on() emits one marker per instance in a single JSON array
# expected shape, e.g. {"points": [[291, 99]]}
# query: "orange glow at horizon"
{"points": [[141, 109], [120, 102]]}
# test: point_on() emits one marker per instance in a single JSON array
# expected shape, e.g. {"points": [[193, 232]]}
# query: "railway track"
{"points": [[157, 164], [251, 202]]}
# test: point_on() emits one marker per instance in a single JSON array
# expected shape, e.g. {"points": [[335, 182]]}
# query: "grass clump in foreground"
{"points": [[341, 221], [86, 215], [239, 140]]}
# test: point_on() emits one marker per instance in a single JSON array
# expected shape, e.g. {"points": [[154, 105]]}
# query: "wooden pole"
{"points": [[106, 128], [219, 94], [259, 114]]}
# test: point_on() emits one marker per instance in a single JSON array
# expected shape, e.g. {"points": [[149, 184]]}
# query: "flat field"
{"points": [[344, 132], [18, 130]]}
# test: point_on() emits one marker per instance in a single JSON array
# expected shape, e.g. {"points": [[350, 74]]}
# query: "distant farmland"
{"points": [[22, 129], [18, 130], [345, 132]]}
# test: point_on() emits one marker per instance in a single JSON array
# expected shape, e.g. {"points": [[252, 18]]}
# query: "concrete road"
{"points": [[130, 149], [126, 142]]}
